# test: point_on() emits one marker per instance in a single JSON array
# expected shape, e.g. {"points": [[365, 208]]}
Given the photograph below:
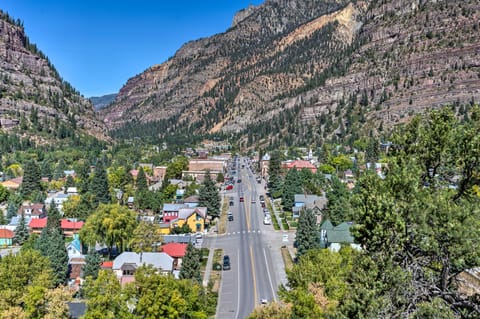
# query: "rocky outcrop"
{"points": [[340, 66], [30, 84]]}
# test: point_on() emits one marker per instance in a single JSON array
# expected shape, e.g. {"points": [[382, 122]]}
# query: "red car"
{"points": [[229, 187], [241, 199]]}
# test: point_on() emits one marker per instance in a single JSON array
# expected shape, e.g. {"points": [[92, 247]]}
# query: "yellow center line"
{"points": [[254, 279]]}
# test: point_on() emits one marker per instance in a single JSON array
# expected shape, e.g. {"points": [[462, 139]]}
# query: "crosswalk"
{"points": [[244, 232]]}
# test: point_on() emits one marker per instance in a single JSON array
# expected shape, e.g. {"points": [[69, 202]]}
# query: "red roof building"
{"points": [[176, 251], [6, 237], [299, 164], [107, 265], [68, 227]]}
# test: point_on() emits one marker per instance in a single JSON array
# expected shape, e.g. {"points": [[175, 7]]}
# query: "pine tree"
{"points": [[191, 264], [92, 265], [99, 185], [307, 236], [70, 182], [46, 170], [274, 178], [83, 175], [31, 178], [12, 209], [51, 244], [209, 197], [141, 180], [59, 170], [291, 186], [21, 232]]}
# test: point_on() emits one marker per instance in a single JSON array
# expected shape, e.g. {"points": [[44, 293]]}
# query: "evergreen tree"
{"points": [[209, 196], [83, 175], [291, 186], [191, 264], [339, 208], [372, 151], [54, 217], [21, 232], [46, 169], [59, 170], [99, 185], [3, 220], [70, 182], [31, 178], [307, 236], [12, 209], [141, 182], [274, 175], [92, 265]]}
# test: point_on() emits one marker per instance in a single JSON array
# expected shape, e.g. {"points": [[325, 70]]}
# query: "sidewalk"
{"points": [[279, 220], [208, 267]]}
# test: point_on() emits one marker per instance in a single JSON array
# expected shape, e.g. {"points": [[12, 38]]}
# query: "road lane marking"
{"points": [[254, 278], [238, 284], [268, 274]]}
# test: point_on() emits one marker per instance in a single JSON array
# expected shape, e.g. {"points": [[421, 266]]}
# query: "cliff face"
{"points": [[33, 97], [337, 66]]}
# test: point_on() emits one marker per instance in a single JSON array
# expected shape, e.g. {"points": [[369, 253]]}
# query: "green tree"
{"points": [[308, 236], [291, 186], [104, 297], [176, 166], [21, 232], [70, 182], [92, 265], [275, 182], [84, 177], [146, 237], [110, 224], [209, 196], [46, 169], [4, 193], [141, 182], [58, 173], [339, 208], [99, 185], [31, 178], [191, 264]]}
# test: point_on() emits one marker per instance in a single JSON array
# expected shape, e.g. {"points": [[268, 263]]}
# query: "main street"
{"points": [[257, 268]]}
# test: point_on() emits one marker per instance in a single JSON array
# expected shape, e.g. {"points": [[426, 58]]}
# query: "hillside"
{"points": [[100, 102], [305, 70], [34, 100]]}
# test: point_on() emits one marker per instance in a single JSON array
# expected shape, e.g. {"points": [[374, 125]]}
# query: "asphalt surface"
{"points": [[257, 268]]}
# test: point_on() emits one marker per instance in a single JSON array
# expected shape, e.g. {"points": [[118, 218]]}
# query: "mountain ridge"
{"points": [[341, 68]]}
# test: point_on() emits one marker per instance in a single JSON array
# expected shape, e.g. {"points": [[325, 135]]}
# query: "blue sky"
{"points": [[98, 45]]}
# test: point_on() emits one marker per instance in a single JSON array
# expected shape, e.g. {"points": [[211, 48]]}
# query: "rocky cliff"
{"points": [[311, 69], [34, 100]]}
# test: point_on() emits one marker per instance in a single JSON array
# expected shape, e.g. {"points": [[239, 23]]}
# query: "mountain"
{"points": [[100, 102], [34, 100], [298, 71]]}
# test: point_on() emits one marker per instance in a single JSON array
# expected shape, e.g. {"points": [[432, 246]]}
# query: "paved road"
{"points": [[256, 264]]}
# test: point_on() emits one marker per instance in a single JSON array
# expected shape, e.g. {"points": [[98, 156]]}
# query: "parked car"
{"points": [[230, 216], [242, 199], [226, 262], [229, 187]]}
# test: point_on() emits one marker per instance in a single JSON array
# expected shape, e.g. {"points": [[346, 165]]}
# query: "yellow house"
{"points": [[193, 217]]}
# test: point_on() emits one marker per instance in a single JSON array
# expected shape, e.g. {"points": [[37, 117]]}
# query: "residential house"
{"points": [[6, 237], [177, 251], [313, 202], [299, 164], [333, 237], [179, 193], [130, 202], [36, 210], [125, 265], [191, 201], [70, 228], [72, 191], [74, 248], [76, 265], [159, 172], [179, 238], [170, 212], [14, 183], [193, 217]]}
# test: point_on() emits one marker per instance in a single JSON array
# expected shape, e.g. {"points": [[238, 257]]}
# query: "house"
{"points": [[159, 173], [333, 237], [74, 248], [130, 202], [177, 251], [69, 173], [191, 201], [299, 164], [14, 183], [6, 237], [170, 212], [179, 193], [313, 202], [193, 217], [72, 190], [125, 265], [70, 228], [179, 238], [36, 210], [75, 265]]}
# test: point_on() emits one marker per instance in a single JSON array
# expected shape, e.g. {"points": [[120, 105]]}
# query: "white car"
{"points": [[263, 301], [285, 238]]}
